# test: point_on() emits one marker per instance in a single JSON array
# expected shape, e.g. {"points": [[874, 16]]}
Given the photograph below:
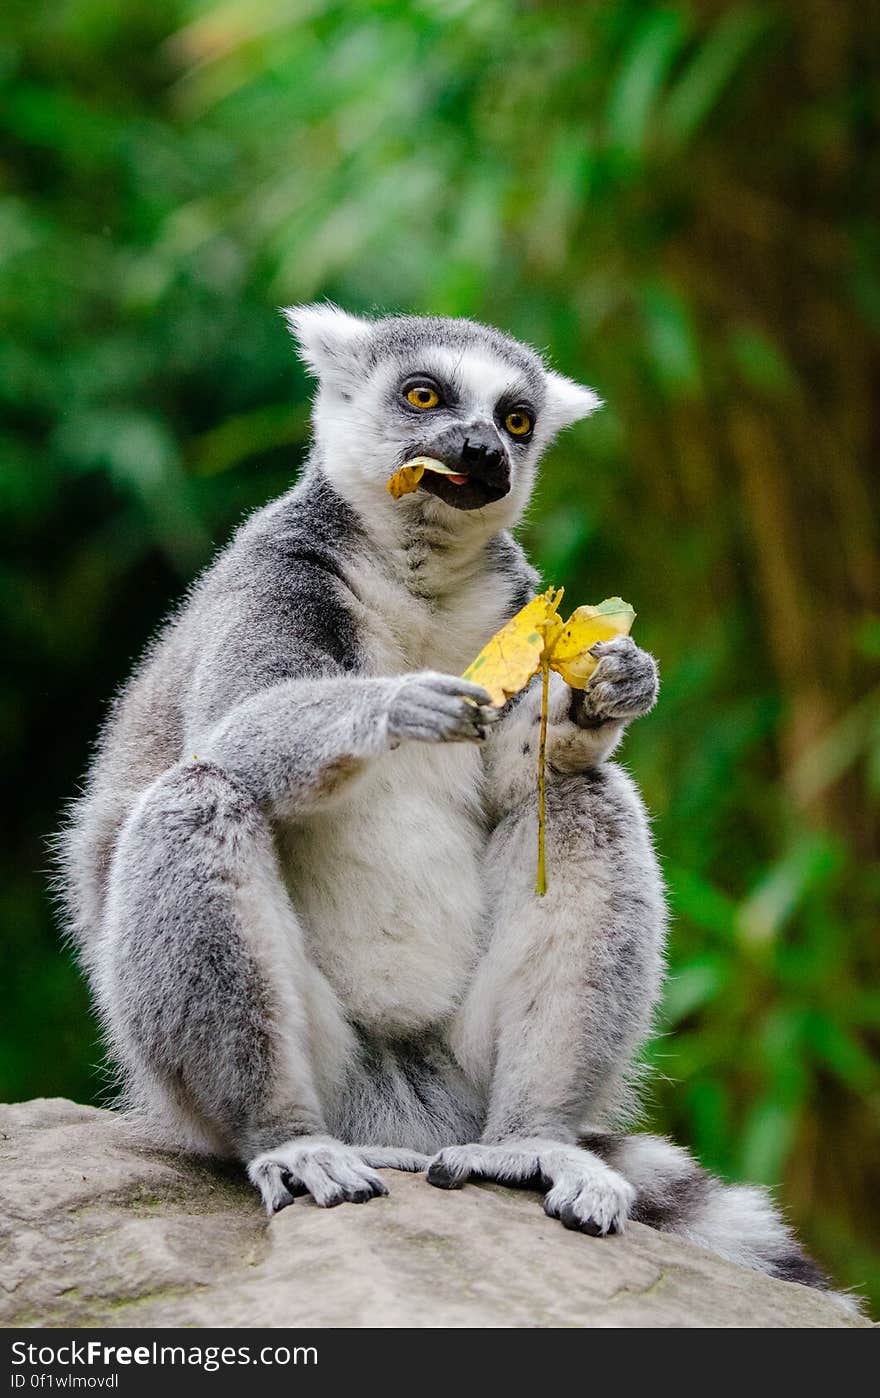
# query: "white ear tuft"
{"points": [[567, 401], [326, 336]]}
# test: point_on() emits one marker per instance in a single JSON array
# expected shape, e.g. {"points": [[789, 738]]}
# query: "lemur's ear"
{"points": [[327, 338], [567, 401]]}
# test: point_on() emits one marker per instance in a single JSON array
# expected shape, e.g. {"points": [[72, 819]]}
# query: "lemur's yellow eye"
{"points": [[421, 395], [518, 423]]}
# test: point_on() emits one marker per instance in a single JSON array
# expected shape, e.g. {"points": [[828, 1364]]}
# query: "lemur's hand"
{"points": [[435, 708], [623, 685]]}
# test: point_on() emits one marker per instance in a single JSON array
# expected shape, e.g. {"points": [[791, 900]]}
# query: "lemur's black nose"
{"points": [[480, 450]]}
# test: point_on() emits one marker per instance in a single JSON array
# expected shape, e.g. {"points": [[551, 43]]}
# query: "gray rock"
{"points": [[98, 1231]]}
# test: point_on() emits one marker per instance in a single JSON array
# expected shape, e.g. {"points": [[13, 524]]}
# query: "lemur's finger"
{"points": [[274, 1185], [444, 706], [616, 643], [357, 1181], [317, 1175], [454, 716], [440, 1175], [434, 701], [294, 1186], [452, 684], [570, 1218]]}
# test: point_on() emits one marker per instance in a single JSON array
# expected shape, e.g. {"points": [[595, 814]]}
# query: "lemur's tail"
{"points": [[737, 1221]]}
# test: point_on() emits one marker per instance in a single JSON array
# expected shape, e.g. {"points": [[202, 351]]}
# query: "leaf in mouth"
{"points": [[406, 479]]}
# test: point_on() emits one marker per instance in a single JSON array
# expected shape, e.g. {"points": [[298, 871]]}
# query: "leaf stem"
{"points": [[541, 885]]}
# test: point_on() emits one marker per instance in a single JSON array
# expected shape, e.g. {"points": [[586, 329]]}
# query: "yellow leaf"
{"points": [[537, 634], [406, 480], [515, 653], [570, 655], [537, 639]]}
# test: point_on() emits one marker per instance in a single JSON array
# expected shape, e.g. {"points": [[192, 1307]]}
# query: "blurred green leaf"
{"points": [[779, 891], [761, 363], [843, 1054], [768, 1136], [867, 637], [636, 91], [671, 340], [825, 761], [713, 66], [705, 906], [693, 985]]}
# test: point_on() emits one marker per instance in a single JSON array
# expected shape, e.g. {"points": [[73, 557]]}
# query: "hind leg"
{"points": [[558, 1006], [563, 996], [216, 1014]]}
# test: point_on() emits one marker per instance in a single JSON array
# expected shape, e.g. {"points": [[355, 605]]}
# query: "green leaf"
{"points": [[778, 892], [762, 363], [692, 986], [767, 1140], [671, 339], [712, 68], [639, 83], [840, 1051], [699, 901]]}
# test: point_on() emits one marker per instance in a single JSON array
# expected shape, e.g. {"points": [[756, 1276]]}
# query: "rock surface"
{"points": [[98, 1231]]}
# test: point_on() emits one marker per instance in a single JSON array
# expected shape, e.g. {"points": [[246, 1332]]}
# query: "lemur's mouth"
{"points": [[464, 492], [487, 480], [467, 466]]}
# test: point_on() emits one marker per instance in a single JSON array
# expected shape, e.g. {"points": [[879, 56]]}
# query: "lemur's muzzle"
{"points": [[477, 454]]}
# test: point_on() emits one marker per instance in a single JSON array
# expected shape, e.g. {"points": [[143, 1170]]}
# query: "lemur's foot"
{"points": [[623, 685], [331, 1172], [580, 1189]]}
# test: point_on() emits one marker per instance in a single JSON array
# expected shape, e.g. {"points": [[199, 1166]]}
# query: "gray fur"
{"points": [[300, 876]]}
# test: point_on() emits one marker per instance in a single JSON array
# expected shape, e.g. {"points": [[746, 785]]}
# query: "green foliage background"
{"points": [[675, 200]]}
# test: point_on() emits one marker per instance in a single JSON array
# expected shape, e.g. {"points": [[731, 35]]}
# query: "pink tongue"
{"points": [[457, 480]]}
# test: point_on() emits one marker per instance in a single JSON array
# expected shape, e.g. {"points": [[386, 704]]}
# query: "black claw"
{"points": [[442, 1177], [536, 1181], [333, 1199], [550, 1210], [570, 1219], [293, 1186]]}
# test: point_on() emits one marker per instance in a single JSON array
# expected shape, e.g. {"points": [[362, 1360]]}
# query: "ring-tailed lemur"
{"points": [[301, 874]]}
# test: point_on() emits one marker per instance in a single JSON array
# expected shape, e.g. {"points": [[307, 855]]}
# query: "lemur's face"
{"points": [[483, 404], [474, 412]]}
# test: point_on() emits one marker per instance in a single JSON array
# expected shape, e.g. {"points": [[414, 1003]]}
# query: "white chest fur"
{"points": [[388, 886], [407, 621], [387, 880]]}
